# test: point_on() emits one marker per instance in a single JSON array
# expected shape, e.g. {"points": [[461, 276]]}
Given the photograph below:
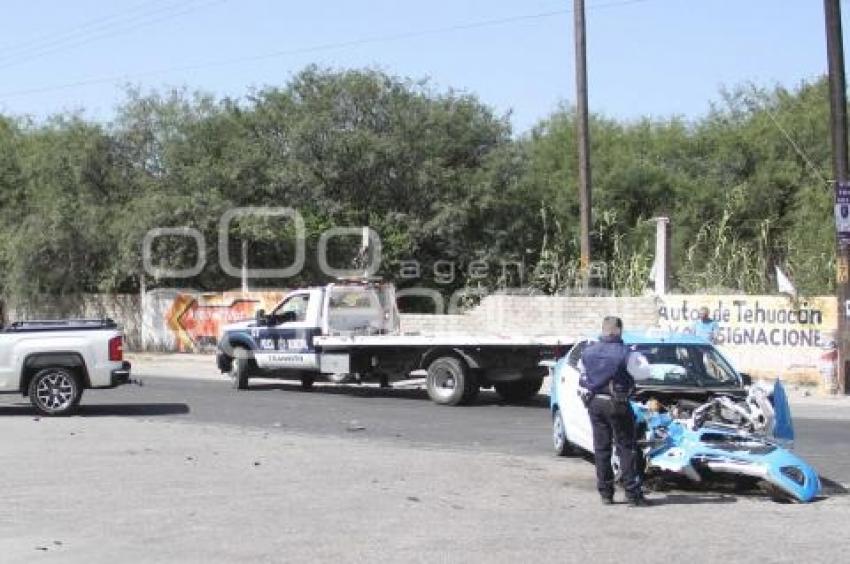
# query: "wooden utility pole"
{"points": [[838, 113], [583, 136]]}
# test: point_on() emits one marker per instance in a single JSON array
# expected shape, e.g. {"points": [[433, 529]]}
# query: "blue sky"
{"points": [[645, 57]]}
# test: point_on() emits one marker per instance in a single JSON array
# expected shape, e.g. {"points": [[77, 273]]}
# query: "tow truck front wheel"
{"points": [[55, 391], [239, 369], [450, 382]]}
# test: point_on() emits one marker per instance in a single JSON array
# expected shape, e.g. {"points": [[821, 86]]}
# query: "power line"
{"points": [[36, 41], [319, 48], [802, 154], [105, 30]]}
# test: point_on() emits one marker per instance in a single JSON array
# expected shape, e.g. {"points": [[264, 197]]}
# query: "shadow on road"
{"points": [[112, 409], [693, 499], [485, 397], [831, 487]]}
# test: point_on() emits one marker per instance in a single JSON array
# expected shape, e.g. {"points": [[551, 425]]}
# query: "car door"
{"points": [[576, 419], [287, 342]]}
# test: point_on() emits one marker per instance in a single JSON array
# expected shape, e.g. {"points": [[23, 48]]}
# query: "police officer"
{"points": [[608, 376]]}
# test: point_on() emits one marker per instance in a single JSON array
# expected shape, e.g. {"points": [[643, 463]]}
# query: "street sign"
{"points": [[842, 213]]}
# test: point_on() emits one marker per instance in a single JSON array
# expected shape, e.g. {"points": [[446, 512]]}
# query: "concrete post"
{"points": [[662, 255], [143, 305], [244, 267]]}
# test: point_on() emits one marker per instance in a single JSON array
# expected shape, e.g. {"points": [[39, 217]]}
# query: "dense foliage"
{"points": [[437, 174]]}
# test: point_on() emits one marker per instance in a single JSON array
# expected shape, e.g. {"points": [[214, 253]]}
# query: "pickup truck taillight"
{"points": [[116, 348]]}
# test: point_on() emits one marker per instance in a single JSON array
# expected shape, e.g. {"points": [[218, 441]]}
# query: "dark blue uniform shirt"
{"points": [[606, 361]]}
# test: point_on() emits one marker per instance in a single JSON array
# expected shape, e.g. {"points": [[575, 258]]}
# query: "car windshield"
{"points": [[687, 365]]}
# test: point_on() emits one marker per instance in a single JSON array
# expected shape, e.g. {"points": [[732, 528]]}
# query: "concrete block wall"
{"points": [[537, 315], [425, 324], [125, 309]]}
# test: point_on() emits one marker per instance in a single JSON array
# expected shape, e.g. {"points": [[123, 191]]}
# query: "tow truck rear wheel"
{"points": [[450, 382], [240, 368], [519, 390]]}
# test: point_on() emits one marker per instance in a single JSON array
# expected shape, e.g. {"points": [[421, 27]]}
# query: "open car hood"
{"points": [[783, 427]]}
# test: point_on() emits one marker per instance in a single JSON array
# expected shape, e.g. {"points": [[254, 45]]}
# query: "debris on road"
{"points": [[355, 425]]}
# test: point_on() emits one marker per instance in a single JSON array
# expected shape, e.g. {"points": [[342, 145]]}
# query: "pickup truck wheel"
{"points": [[239, 369], [519, 390], [55, 391], [450, 382]]}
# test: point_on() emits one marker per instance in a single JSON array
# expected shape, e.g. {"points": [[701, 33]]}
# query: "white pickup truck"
{"points": [[350, 332], [52, 362]]}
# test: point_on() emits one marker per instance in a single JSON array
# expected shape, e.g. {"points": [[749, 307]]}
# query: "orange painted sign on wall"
{"points": [[197, 320]]}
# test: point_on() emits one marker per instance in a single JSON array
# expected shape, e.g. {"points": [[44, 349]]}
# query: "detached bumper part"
{"points": [[120, 376]]}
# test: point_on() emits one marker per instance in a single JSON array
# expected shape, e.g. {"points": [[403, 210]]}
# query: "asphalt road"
{"points": [[405, 416]]}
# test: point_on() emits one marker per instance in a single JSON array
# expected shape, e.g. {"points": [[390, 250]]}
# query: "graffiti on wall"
{"points": [[196, 321]]}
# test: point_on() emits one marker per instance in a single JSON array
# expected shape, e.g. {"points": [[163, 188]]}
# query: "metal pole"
{"points": [[838, 113], [583, 135]]}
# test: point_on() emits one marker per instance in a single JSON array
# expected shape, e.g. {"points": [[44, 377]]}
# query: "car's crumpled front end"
{"points": [[700, 446]]}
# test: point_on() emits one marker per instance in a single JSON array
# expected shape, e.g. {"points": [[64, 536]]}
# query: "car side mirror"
{"points": [[288, 316], [260, 316], [746, 379]]}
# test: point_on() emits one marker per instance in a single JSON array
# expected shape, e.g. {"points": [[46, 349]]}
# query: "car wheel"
{"points": [[559, 435], [240, 369], [519, 390], [615, 466], [450, 382], [55, 391], [640, 465]]}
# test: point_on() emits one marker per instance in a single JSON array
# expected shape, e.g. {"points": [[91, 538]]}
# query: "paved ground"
{"points": [[188, 470], [822, 424]]}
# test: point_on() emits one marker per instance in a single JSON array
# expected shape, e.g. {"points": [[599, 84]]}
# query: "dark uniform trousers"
{"points": [[609, 422]]}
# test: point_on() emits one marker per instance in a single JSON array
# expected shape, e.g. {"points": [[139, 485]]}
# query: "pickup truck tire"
{"points": [[55, 391], [519, 390], [240, 369], [450, 382]]}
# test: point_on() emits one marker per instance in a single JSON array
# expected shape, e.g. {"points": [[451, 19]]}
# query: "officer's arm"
{"points": [[638, 366]]}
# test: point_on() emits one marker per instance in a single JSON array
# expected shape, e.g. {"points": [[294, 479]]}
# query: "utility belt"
{"points": [[620, 399]]}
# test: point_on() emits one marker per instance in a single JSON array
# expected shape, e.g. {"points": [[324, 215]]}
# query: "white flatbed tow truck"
{"points": [[350, 332]]}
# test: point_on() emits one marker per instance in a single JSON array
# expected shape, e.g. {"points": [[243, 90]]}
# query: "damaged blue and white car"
{"points": [[697, 418]]}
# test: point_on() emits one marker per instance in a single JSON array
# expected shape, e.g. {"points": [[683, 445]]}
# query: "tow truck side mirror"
{"points": [[260, 316], [746, 379]]}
